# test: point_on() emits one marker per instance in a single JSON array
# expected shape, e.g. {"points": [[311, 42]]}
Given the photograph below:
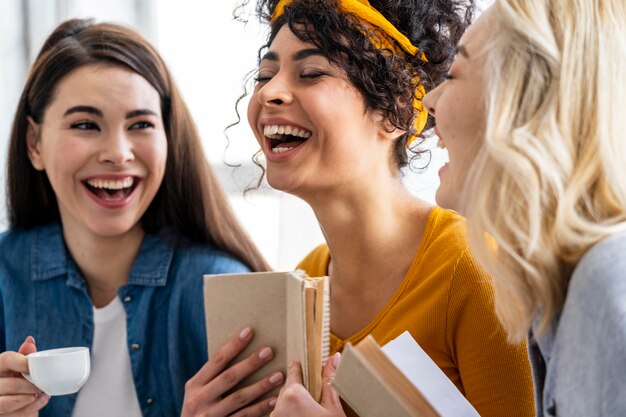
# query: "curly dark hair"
{"points": [[386, 79]]}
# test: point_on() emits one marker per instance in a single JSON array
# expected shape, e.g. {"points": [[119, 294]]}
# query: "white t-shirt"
{"points": [[110, 390]]}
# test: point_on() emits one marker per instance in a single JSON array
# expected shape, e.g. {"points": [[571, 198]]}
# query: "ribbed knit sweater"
{"points": [[446, 302]]}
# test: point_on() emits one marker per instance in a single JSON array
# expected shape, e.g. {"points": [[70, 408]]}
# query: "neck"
{"points": [[105, 262], [372, 232]]}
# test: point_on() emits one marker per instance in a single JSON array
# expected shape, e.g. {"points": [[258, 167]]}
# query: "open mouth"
{"points": [[111, 190], [283, 138]]}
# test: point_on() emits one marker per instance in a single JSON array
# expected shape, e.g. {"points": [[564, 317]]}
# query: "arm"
{"points": [[295, 400]]}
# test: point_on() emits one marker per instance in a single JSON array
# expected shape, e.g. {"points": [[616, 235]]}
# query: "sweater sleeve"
{"points": [[496, 375]]}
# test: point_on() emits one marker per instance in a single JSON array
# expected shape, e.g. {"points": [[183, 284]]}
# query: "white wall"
{"points": [[209, 54]]}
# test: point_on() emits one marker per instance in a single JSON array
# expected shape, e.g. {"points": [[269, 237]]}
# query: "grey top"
{"points": [[579, 366]]}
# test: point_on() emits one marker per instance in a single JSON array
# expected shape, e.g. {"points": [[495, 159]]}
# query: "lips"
{"points": [[440, 143], [284, 137], [111, 190]]}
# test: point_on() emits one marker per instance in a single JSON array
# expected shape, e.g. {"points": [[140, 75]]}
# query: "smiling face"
{"points": [[311, 123], [103, 147], [459, 109]]}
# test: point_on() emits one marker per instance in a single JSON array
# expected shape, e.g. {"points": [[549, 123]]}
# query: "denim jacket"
{"points": [[44, 295], [579, 365]]}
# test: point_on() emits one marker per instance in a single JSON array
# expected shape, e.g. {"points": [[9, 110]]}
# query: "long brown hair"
{"points": [[190, 199]]}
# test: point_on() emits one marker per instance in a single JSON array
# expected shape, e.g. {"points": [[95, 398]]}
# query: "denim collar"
{"points": [[50, 257]]}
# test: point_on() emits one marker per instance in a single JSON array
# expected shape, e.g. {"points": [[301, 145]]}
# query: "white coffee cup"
{"points": [[59, 371]]}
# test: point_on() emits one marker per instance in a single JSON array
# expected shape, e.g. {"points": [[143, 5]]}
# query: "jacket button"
{"points": [[135, 346], [551, 410], [128, 299], [149, 401]]}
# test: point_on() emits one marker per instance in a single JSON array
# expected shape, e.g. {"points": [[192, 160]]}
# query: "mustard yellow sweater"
{"points": [[446, 302]]}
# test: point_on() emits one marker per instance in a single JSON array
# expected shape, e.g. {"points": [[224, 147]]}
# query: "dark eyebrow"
{"points": [[140, 112], [460, 49], [305, 53], [83, 109], [270, 56], [98, 112], [298, 56]]}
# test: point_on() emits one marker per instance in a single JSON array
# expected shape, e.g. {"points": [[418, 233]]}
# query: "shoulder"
{"points": [[315, 264], [206, 259], [590, 333], [598, 283], [446, 245], [11, 237], [16, 244], [446, 230]]}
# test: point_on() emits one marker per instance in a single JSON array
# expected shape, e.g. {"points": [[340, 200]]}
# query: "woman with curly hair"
{"points": [[337, 110]]}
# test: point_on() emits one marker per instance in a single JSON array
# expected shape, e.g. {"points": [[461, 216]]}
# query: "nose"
{"points": [[116, 149], [430, 101], [275, 92]]}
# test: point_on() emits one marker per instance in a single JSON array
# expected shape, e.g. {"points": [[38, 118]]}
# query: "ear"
{"points": [[387, 131], [33, 143]]}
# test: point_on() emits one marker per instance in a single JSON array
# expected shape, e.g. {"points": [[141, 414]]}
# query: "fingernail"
{"points": [[265, 353], [276, 378], [336, 359], [245, 333], [291, 364], [272, 403], [30, 339]]}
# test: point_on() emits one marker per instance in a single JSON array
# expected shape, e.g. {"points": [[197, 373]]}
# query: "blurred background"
{"points": [[209, 54]]}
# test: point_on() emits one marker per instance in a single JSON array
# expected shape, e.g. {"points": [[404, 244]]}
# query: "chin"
{"points": [[445, 200], [280, 182]]}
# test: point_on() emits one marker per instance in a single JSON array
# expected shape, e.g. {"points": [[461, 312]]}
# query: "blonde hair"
{"points": [[550, 180]]}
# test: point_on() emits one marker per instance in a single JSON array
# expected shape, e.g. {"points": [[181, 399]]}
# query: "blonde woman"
{"points": [[532, 116]]}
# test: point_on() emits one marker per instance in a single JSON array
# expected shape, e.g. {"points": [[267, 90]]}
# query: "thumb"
{"points": [[28, 346], [330, 398]]}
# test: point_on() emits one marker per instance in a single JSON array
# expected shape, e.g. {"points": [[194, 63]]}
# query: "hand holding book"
{"points": [[288, 311], [295, 400], [210, 390]]}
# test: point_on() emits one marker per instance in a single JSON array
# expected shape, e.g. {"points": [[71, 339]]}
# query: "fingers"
{"points": [[13, 362], [22, 405], [294, 374], [221, 358], [13, 385], [233, 375], [28, 346], [295, 400], [261, 408], [246, 395], [225, 381], [18, 397], [330, 398]]}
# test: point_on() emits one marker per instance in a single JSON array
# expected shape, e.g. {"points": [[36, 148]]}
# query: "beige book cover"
{"points": [[288, 311], [397, 380]]}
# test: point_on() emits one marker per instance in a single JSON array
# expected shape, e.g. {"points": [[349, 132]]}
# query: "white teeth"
{"points": [[279, 150], [271, 131], [111, 184]]}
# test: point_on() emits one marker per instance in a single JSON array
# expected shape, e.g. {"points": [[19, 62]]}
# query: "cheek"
{"points": [[254, 109], [153, 153]]}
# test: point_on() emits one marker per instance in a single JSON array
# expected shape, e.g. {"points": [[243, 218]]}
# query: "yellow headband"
{"points": [[364, 11]]}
